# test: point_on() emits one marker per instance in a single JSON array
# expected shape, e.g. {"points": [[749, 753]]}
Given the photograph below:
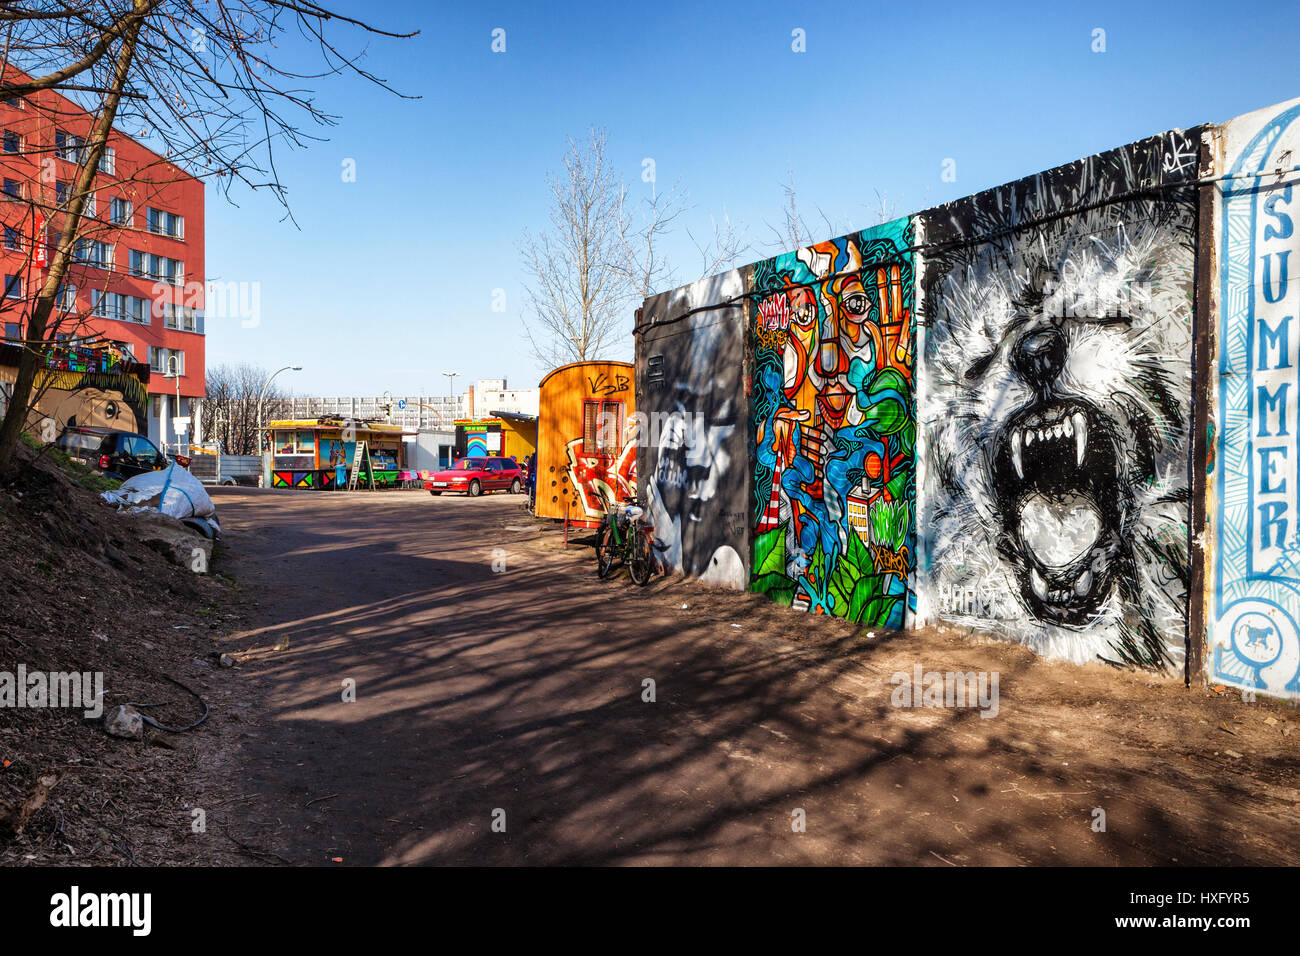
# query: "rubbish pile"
{"points": [[174, 514], [174, 492]]}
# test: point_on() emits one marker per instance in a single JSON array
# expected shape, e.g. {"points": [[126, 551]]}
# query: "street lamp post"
{"points": [[451, 389], [261, 408], [174, 371]]}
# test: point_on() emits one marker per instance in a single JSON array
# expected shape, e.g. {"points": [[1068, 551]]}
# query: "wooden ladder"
{"points": [[361, 451]]}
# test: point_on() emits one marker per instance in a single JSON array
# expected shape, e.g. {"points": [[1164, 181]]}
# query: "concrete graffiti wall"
{"points": [[1056, 405], [1254, 586], [832, 413], [1106, 352], [690, 366]]}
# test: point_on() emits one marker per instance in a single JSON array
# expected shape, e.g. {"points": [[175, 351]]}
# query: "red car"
{"points": [[473, 476]]}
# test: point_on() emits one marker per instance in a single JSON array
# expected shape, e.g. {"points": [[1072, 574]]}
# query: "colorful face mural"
{"points": [[833, 419], [1057, 405], [86, 387], [690, 361], [89, 406], [1254, 638]]}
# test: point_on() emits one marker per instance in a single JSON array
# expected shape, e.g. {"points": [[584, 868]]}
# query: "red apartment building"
{"points": [[138, 278]]}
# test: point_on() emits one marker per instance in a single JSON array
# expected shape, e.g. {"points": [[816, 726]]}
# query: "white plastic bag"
{"points": [[173, 491]]}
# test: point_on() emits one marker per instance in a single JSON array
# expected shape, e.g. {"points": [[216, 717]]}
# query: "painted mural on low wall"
{"points": [[690, 349], [1056, 406], [1254, 639], [832, 415]]}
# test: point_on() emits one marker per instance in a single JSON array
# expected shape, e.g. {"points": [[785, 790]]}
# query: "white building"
{"points": [[489, 395], [422, 412]]}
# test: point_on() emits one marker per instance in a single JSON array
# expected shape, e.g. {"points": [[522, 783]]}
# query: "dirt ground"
{"points": [[498, 681], [79, 591]]}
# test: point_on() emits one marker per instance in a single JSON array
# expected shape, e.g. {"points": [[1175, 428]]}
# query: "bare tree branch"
{"points": [[579, 291], [206, 84]]}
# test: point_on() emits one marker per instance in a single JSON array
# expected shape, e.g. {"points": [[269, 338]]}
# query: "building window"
{"points": [[137, 309], [106, 305], [63, 197], [12, 142], [165, 223], [120, 212], [123, 308], [67, 146], [108, 162], [12, 332], [62, 193], [92, 252], [13, 189], [159, 268], [13, 287], [160, 360], [66, 298], [168, 270], [294, 442], [178, 317], [12, 239]]}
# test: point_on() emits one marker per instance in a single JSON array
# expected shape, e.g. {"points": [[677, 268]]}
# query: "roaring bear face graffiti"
{"points": [[1063, 466], [1060, 442]]}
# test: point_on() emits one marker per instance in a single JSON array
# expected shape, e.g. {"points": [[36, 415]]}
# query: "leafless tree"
{"points": [[578, 290], [793, 231], [642, 227], [196, 80], [603, 254], [723, 248], [230, 410], [882, 210]]}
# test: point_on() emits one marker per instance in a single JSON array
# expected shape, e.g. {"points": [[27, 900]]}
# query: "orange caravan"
{"points": [[586, 440]]}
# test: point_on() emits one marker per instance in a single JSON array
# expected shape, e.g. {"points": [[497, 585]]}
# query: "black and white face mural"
{"points": [[690, 392], [1057, 407]]}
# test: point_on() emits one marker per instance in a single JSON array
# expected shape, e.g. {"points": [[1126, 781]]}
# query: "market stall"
{"points": [[320, 453]]}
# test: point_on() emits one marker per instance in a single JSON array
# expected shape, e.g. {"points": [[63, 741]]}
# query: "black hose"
{"points": [[173, 730]]}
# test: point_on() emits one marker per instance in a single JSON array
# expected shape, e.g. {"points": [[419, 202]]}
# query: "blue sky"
{"points": [[388, 281]]}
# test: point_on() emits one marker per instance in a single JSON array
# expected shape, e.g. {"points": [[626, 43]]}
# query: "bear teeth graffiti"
{"points": [[1061, 501]]}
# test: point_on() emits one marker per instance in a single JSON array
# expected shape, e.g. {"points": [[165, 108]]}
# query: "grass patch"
{"points": [[85, 477]]}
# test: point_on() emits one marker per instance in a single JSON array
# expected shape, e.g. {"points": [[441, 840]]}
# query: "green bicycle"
{"points": [[623, 537]]}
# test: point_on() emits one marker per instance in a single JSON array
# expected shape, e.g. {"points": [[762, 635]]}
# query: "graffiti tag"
{"points": [[602, 384]]}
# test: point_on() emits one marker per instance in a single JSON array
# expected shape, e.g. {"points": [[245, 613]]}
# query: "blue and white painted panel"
{"points": [[1255, 639]]}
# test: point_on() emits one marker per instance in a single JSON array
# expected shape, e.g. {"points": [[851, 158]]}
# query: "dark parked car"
{"points": [[113, 453], [473, 476]]}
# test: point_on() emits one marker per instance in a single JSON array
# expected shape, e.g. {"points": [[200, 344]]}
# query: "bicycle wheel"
{"points": [[605, 549], [641, 564]]}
